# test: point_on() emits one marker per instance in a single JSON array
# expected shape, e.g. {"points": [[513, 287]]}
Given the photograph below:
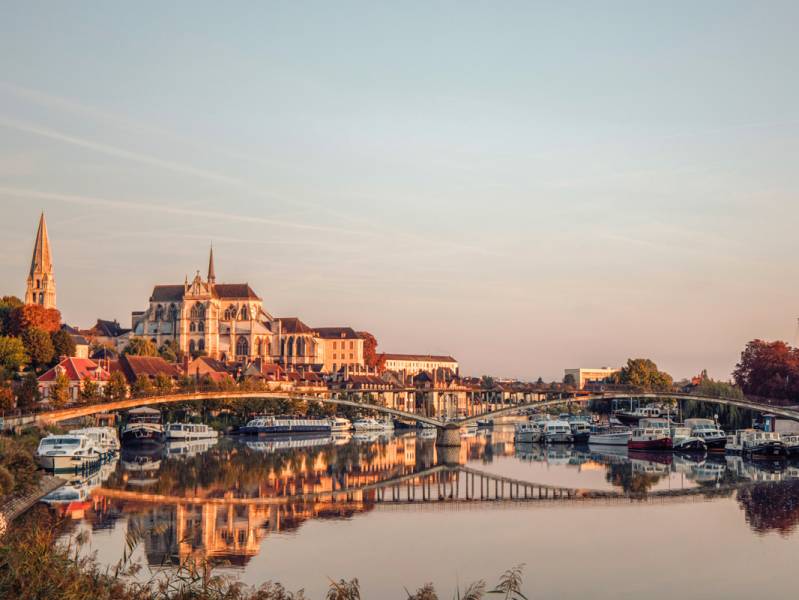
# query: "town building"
{"points": [[41, 279], [412, 364], [583, 376], [76, 370], [342, 348], [147, 367], [202, 317]]}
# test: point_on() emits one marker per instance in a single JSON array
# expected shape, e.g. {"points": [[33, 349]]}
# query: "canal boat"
{"points": [[143, 427], [755, 444], [581, 430], [105, 438], [791, 441], [651, 435], [370, 424], [340, 424], [707, 429], [190, 431], [285, 425], [682, 440], [67, 453], [558, 432], [610, 436], [485, 423], [632, 417], [527, 433]]}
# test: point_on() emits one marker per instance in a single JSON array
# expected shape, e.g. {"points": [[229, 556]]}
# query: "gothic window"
{"points": [[173, 312], [245, 314], [301, 347], [230, 313], [159, 313], [198, 311], [41, 298], [242, 347], [200, 326], [201, 345], [192, 347], [192, 327], [258, 347], [290, 351]]}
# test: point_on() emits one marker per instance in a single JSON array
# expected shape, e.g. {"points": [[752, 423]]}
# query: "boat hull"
{"points": [[718, 444], [694, 445], [528, 437], [140, 437], [285, 429], [766, 450], [658, 445], [559, 438], [582, 437], [609, 439]]}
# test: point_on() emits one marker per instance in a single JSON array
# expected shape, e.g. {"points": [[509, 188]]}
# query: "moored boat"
{"points": [[581, 431], [68, 453], [791, 441], [527, 433], [632, 417], [285, 425], [558, 432], [756, 443], [143, 427], [370, 424], [651, 435], [190, 431], [610, 436], [683, 441], [105, 438], [714, 437], [340, 424]]}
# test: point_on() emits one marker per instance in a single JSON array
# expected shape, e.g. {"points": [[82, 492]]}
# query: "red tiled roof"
{"points": [[77, 369], [146, 366]]}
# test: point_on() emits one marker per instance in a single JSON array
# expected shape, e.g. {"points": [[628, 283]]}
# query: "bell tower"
{"points": [[41, 281]]}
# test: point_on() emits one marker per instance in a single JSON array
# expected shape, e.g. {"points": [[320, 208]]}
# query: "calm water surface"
{"points": [[228, 503]]}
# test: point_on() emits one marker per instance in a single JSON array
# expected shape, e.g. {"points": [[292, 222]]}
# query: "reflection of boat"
{"points": [[707, 429], [188, 447], [286, 425], [369, 424], [485, 422], [647, 462], [143, 427], [141, 466], [428, 433], [631, 417], [289, 442], [527, 433], [105, 438], [791, 441], [760, 471], [190, 431], [756, 443], [67, 452], [78, 489], [610, 436]]}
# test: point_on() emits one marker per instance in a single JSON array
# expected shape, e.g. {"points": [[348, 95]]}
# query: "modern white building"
{"points": [[584, 375]]}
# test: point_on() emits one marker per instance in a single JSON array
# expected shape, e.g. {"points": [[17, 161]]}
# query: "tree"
{"points": [[117, 387], [163, 384], [28, 394], [539, 381], [63, 344], [369, 348], [487, 382], [7, 306], [170, 352], [6, 397], [142, 387], [568, 379], [140, 347], [90, 390], [59, 391], [38, 346], [769, 369], [642, 373], [34, 316], [12, 353]]}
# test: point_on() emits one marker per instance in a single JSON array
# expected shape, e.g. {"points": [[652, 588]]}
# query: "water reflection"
{"points": [[221, 500]]}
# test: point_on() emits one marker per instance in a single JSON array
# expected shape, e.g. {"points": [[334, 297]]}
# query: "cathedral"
{"points": [[41, 282], [225, 321]]}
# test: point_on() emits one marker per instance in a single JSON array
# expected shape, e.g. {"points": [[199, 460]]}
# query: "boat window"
{"points": [[60, 441]]}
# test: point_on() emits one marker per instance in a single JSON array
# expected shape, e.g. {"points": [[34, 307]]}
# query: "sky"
{"points": [[528, 186]]}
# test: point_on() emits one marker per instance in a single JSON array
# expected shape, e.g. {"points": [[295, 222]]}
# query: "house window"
{"points": [[351, 345]]}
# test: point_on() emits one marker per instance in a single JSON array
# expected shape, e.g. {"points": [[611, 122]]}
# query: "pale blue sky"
{"points": [[527, 186]]}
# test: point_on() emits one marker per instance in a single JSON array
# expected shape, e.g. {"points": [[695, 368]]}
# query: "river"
{"points": [[702, 527]]}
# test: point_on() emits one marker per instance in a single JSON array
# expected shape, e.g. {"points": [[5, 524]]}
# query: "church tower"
{"points": [[211, 272], [41, 282]]}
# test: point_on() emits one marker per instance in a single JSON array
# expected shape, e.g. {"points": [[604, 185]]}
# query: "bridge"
{"points": [[448, 430]]}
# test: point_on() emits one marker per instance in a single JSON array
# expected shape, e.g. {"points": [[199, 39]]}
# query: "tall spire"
{"points": [[41, 281], [211, 273]]}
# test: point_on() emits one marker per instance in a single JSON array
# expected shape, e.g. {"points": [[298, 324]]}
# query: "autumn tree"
{"points": [[38, 346], [7, 306], [140, 347], [142, 387], [163, 384], [643, 374], [170, 352], [28, 394], [63, 344], [59, 391], [117, 387], [768, 369], [90, 390], [34, 316], [6, 397], [369, 349], [12, 353]]}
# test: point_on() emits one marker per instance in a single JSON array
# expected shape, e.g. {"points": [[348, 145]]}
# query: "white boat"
{"points": [[791, 441], [340, 424], [285, 425], [753, 442], [714, 437], [610, 436], [68, 452], [190, 431], [527, 433], [143, 427], [631, 417], [558, 432], [105, 438], [682, 440], [369, 424]]}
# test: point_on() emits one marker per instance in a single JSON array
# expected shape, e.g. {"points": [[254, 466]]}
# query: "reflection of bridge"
{"points": [[453, 484], [448, 430]]}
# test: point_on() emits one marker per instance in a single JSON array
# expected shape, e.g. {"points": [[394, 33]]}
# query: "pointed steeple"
{"points": [[211, 272], [41, 281]]}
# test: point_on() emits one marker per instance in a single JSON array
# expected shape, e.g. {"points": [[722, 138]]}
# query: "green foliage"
{"points": [[142, 387], [718, 389], [90, 390], [63, 344], [12, 353], [163, 384], [28, 394], [38, 346], [140, 347], [7, 306], [59, 391], [18, 473], [487, 382], [510, 584], [170, 352], [568, 379], [117, 387], [643, 374]]}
